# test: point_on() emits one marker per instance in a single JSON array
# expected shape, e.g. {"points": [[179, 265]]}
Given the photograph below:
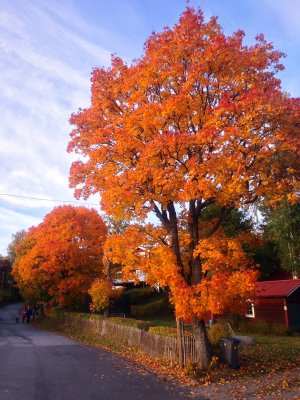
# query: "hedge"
{"points": [[163, 331], [138, 295], [148, 309], [144, 325]]}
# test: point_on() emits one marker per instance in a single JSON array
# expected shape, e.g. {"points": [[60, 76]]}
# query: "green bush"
{"points": [[94, 317], [234, 320], [215, 332], [167, 331], [138, 295], [116, 320], [55, 312], [76, 314], [263, 328], [155, 307], [135, 323], [281, 330], [5, 296]]}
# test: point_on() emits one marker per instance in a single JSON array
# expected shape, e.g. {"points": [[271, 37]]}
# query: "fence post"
{"points": [[179, 326]]}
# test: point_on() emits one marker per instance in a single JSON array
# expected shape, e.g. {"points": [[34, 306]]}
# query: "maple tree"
{"points": [[199, 119], [58, 260]]}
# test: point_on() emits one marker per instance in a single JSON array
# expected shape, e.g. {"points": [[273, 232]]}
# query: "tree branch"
{"points": [[161, 215]]}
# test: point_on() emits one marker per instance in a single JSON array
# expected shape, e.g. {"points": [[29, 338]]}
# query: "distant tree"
{"points": [[12, 247], [59, 259], [234, 222], [265, 254], [115, 226], [4, 262], [282, 227], [5, 272]]}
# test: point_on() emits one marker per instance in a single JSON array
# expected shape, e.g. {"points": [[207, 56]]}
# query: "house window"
{"points": [[250, 310]]}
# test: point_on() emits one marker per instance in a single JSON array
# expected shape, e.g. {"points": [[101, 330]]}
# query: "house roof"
{"points": [[277, 288]]}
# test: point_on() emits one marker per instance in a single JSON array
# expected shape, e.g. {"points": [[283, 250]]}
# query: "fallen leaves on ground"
{"points": [[269, 370]]}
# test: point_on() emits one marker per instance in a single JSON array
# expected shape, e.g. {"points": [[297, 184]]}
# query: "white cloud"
{"points": [[45, 68], [11, 218], [11, 222]]}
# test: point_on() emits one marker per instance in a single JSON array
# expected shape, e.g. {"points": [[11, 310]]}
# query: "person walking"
{"points": [[18, 314], [28, 315], [24, 313]]}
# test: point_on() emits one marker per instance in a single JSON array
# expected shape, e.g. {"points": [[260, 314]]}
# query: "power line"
{"points": [[40, 199]]}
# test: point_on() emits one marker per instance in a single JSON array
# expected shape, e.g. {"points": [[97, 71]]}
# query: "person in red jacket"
{"points": [[23, 315]]}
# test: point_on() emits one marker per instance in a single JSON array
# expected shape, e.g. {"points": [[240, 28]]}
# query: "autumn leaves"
{"points": [[58, 260], [199, 121]]}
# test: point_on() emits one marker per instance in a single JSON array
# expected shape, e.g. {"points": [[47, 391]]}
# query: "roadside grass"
{"points": [[57, 325], [271, 355], [49, 324], [168, 320], [94, 340]]}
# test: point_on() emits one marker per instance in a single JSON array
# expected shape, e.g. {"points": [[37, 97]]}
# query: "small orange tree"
{"points": [[199, 119], [103, 294], [59, 259]]}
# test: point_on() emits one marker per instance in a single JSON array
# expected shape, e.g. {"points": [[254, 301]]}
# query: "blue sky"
{"points": [[48, 49]]}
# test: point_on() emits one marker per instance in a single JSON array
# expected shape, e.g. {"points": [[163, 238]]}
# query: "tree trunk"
{"points": [[202, 344], [179, 326]]}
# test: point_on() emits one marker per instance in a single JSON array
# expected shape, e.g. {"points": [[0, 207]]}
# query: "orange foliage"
{"points": [[103, 294], [199, 119], [59, 259]]}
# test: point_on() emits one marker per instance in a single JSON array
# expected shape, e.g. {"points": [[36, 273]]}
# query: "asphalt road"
{"points": [[40, 365]]}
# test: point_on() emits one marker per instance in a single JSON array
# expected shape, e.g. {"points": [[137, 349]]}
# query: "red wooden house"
{"points": [[277, 302]]}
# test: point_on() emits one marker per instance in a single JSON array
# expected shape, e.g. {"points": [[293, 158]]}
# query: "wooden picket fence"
{"points": [[157, 346]]}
